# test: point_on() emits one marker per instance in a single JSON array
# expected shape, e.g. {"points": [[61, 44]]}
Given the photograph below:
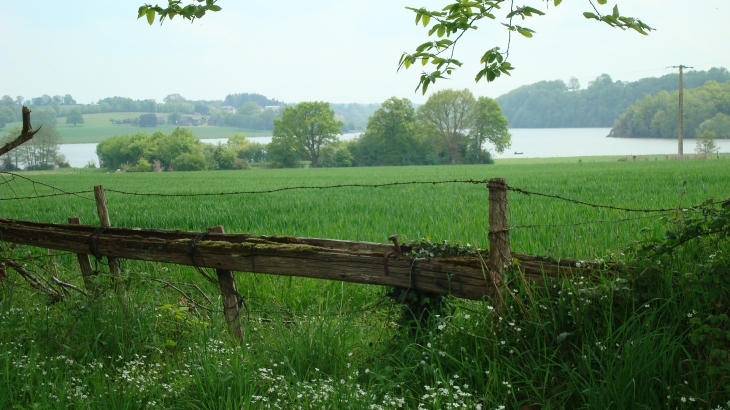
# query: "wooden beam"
{"points": [[358, 262]]}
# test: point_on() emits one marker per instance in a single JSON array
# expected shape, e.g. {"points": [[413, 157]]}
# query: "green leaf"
{"points": [[150, 16], [142, 11], [602, 2], [557, 2], [426, 20], [590, 15]]}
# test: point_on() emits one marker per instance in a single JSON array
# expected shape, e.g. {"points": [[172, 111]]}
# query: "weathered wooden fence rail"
{"points": [[470, 277]]}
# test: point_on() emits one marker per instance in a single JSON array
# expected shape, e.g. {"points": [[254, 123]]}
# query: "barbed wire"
{"points": [[615, 208], [597, 221], [34, 183], [304, 187]]}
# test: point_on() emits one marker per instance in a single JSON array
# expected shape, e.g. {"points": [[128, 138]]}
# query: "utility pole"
{"points": [[680, 147]]}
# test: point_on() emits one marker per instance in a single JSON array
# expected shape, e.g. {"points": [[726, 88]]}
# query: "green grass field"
{"points": [[311, 344], [96, 127]]}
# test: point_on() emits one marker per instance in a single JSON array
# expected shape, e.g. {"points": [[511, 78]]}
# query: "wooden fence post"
{"points": [[500, 256], [229, 294], [84, 263], [103, 212]]}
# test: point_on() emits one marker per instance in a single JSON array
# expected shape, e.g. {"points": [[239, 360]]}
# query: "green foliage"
{"points": [[489, 126], [6, 115], [706, 143], [281, 153], [657, 116], [336, 155], [179, 151], [176, 8], [449, 24], [719, 125], [392, 137], [39, 153], [307, 127], [74, 117], [147, 120], [447, 115]]}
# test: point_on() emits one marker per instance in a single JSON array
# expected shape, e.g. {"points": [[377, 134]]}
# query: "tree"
{"points": [[306, 127], [41, 152], [573, 84], [147, 120], [68, 100], [452, 21], [281, 153], [6, 115], [74, 117], [706, 143], [489, 126], [391, 137], [447, 114]]}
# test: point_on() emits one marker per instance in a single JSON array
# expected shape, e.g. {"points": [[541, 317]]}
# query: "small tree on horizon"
{"points": [[74, 117], [705, 143]]}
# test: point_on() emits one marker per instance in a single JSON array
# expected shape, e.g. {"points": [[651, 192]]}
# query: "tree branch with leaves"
{"points": [[449, 25]]}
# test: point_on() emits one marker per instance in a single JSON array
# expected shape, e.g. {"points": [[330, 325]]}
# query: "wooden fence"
{"points": [[474, 276]]}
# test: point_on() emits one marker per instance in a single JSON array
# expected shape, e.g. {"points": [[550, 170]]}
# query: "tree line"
{"points": [[451, 128], [555, 104], [249, 110], [706, 109]]}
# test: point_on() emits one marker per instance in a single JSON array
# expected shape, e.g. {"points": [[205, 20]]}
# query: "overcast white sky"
{"points": [[338, 51]]}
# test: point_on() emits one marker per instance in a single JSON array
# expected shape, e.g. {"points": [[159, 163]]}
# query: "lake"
{"points": [[531, 142]]}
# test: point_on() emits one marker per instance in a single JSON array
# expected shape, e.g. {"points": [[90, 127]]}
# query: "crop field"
{"points": [[96, 127], [453, 212], [318, 344]]}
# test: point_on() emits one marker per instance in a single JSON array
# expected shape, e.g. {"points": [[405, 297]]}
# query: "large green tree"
{"points": [[307, 127], [489, 125], [447, 115], [446, 26], [74, 117], [391, 137]]}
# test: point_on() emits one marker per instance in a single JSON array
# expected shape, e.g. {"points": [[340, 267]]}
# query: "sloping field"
{"points": [[96, 127]]}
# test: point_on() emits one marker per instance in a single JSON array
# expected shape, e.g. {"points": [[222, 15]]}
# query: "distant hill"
{"points": [[550, 104]]}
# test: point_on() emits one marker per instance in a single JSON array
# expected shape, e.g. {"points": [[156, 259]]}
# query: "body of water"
{"points": [[526, 143]]}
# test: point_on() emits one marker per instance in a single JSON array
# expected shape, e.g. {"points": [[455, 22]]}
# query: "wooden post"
{"points": [[84, 263], [229, 294], [500, 256], [103, 212]]}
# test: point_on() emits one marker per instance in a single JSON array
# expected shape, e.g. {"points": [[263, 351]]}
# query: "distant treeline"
{"points": [[706, 109], [243, 110], [553, 104]]}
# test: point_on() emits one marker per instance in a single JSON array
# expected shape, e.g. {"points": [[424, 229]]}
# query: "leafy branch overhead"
{"points": [[175, 8], [448, 25]]}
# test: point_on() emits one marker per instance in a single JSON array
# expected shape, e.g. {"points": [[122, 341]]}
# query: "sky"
{"points": [[339, 51]]}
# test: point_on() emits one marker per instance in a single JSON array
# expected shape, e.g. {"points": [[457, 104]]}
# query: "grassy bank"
{"points": [[602, 342]]}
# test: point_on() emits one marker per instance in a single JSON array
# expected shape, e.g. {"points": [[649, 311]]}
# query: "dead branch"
{"points": [[65, 285], [183, 294], [34, 282], [26, 134]]}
